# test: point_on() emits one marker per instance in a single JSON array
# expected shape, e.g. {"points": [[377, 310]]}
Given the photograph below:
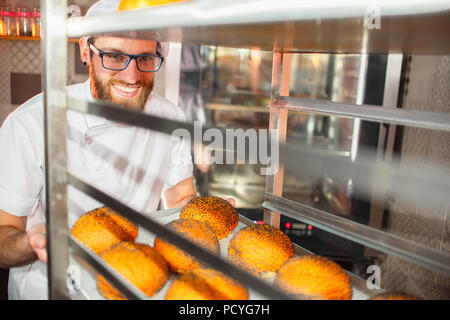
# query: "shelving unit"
{"points": [[285, 27]]}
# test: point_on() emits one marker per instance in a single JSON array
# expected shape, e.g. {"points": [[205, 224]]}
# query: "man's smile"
{"points": [[126, 91]]}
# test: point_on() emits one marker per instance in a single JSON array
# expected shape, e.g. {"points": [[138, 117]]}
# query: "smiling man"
{"points": [[119, 77], [134, 165]]}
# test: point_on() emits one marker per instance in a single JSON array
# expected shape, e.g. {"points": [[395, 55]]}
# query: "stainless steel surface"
{"points": [[233, 183], [428, 183], [379, 240], [325, 77], [176, 239], [391, 94], [425, 86], [387, 133], [281, 70], [392, 82], [405, 26], [54, 49], [420, 119]]}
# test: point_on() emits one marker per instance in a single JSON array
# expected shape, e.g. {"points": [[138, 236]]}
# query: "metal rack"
{"points": [[286, 28]]}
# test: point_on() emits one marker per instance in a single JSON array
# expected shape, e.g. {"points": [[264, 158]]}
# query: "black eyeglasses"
{"points": [[119, 61]]}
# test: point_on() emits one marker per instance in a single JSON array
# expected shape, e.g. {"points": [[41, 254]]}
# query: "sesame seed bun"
{"points": [[139, 263], [102, 227], [314, 276], [206, 284], [178, 260], [260, 248], [218, 213]]}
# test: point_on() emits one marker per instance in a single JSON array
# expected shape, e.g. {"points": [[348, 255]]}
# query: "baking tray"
{"points": [[85, 276]]}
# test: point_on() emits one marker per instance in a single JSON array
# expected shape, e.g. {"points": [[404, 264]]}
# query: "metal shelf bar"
{"points": [[54, 48], [201, 13], [413, 118], [194, 249], [131, 117], [374, 238], [405, 26]]}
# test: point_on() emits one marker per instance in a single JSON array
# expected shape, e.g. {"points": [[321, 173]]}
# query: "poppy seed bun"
{"points": [[218, 213], [260, 248], [393, 296], [206, 284], [139, 263], [314, 276], [102, 227], [199, 232]]}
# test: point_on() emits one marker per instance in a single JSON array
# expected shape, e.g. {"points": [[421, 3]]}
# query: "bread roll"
{"points": [[139, 263], [199, 232], [260, 248], [102, 227], [206, 284], [315, 277], [218, 213]]}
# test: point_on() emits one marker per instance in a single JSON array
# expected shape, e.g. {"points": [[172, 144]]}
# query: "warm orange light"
{"points": [[139, 4]]}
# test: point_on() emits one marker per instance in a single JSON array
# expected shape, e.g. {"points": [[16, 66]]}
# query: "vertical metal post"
{"points": [[386, 137], [390, 98], [281, 72], [54, 55]]}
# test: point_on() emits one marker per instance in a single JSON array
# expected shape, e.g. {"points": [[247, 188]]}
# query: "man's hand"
{"points": [[231, 201], [38, 242], [180, 194]]}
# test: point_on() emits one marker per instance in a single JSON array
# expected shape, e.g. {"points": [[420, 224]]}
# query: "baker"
{"points": [[128, 163]]}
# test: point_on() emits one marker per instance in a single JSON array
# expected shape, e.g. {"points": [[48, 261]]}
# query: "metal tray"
{"points": [[86, 276]]}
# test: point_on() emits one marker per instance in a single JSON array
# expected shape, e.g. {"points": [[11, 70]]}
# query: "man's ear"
{"points": [[84, 51]]}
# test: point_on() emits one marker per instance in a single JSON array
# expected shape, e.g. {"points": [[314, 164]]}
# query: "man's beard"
{"points": [[102, 90]]}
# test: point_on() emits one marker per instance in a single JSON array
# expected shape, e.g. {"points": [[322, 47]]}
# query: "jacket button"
{"points": [[88, 140]]}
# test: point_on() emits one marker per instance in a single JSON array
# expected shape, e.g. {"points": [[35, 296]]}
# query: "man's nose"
{"points": [[131, 74]]}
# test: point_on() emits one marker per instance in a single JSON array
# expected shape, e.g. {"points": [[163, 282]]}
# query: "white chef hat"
{"points": [[104, 7]]}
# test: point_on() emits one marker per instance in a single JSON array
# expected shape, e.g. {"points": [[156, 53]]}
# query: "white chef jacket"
{"points": [[131, 164]]}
